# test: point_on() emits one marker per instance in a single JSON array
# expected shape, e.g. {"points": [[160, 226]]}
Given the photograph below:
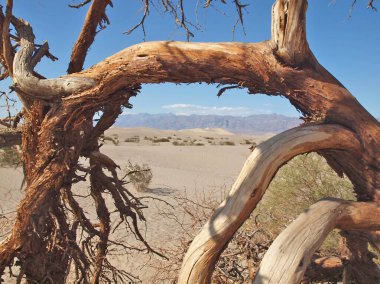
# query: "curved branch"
{"points": [[23, 76], [289, 256], [248, 189], [249, 65]]}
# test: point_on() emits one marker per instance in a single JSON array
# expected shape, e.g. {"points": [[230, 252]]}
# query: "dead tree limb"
{"points": [[95, 16], [247, 191], [289, 255], [7, 46], [24, 80]]}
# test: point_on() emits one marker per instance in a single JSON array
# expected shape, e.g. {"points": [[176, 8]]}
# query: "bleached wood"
{"points": [[24, 80], [289, 256], [248, 189]]}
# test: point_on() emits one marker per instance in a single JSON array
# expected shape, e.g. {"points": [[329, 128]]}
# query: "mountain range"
{"points": [[253, 124]]}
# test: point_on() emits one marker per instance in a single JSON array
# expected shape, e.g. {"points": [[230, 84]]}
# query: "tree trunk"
{"points": [[59, 129], [38, 238]]}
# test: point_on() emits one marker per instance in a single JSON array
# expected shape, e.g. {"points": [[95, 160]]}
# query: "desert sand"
{"points": [[195, 161]]}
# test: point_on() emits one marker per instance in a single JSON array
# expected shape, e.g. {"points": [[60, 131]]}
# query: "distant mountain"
{"points": [[254, 124]]}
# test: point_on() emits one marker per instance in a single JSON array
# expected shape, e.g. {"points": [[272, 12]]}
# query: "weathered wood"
{"points": [[94, 16], [248, 189], [23, 77], [289, 255], [289, 32], [6, 43], [256, 66]]}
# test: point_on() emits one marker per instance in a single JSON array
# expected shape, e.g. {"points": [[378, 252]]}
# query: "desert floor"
{"points": [[197, 161]]}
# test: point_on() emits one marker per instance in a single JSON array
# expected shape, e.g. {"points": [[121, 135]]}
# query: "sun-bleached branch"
{"points": [[253, 180], [289, 255]]}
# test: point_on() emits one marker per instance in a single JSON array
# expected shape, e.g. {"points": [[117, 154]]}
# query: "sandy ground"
{"points": [[209, 168]]}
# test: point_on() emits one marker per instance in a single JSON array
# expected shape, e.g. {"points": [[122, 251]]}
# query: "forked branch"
{"points": [[289, 32]]}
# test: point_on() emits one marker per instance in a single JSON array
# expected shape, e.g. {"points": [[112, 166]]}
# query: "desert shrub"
{"points": [[227, 143], [248, 142], [114, 139], [134, 139], [187, 143], [176, 143], [159, 140], [139, 175], [301, 183], [10, 156]]}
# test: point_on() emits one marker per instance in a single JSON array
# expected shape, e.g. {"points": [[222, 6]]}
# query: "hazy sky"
{"points": [[347, 47]]}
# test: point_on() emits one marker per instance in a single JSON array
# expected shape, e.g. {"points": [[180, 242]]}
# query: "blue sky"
{"points": [[347, 47]]}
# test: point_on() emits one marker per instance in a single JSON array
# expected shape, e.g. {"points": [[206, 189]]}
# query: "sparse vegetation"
{"points": [[227, 143], [139, 175], [305, 179], [134, 139], [209, 138], [187, 143], [248, 142], [10, 157], [160, 140], [114, 139]]}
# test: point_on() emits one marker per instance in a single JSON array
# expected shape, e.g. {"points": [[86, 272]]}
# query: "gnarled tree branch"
{"points": [[249, 188], [289, 256], [23, 76]]}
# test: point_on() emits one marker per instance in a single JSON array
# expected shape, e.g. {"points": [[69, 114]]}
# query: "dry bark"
{"points": [[289, 256], [94, 18]]}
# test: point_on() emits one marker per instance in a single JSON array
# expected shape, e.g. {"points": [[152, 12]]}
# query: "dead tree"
{"points": [[58, 129]]}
